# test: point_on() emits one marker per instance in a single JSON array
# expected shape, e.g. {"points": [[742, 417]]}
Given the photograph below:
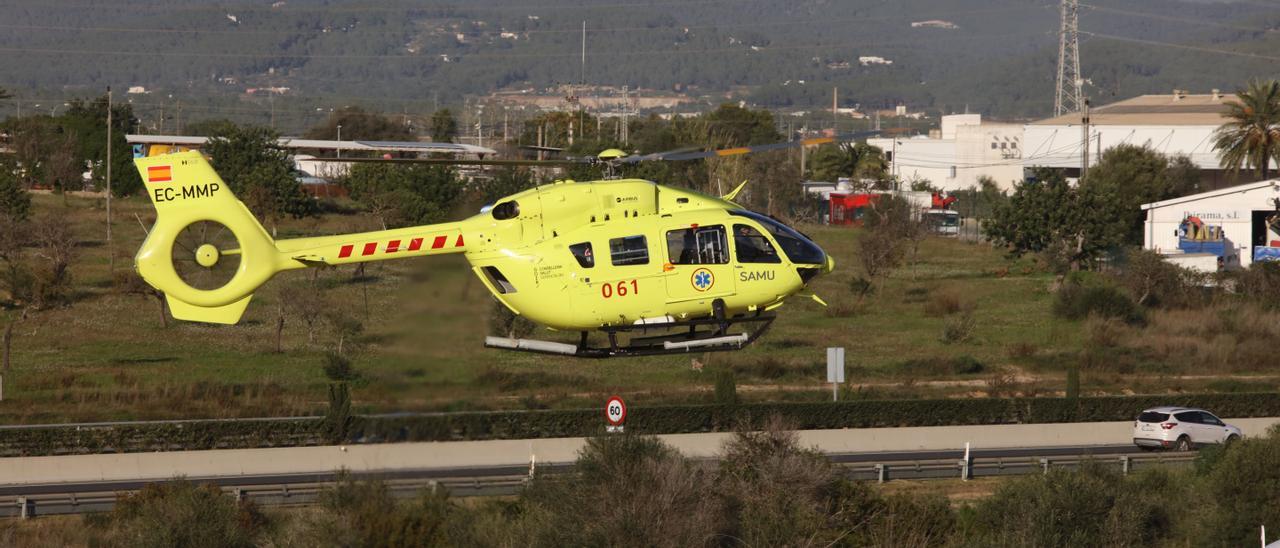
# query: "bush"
{"points": [[958, 328], [364, 513], [940, 367], [1261, 284], [726, 389], [1083, 295], [1093, 506], [945, 302], [337, 368], [662, 499], [180, 513], [1243, 485], [1157, 282]]}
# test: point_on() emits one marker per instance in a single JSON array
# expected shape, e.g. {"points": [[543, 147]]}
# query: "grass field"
{"points": [[107, 356]]}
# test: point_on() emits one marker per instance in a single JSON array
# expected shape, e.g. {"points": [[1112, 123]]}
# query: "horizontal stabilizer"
{"points": [[226, 314]]}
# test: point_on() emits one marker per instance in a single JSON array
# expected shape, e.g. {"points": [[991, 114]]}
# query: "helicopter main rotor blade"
{"points": [[454, 162], [657, 155], [765, 148]]}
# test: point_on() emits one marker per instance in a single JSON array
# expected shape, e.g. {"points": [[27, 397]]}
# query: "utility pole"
{"points": [[1068, 97], [835, 108], [1084, 144], [583, 82], [111, 254]]}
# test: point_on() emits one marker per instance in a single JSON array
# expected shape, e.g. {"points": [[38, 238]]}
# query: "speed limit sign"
{"points": [[615, 411]]}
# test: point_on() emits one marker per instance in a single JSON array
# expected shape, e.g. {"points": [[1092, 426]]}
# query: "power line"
{"points": [[1183, 46], [358, 9], [488, 55], [826, 20], [1163, 17]]}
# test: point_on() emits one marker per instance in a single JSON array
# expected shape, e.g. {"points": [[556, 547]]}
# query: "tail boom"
{"points": [[185, 191]]}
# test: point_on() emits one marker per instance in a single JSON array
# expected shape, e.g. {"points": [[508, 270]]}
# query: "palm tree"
{"points": [[1251, 135]]}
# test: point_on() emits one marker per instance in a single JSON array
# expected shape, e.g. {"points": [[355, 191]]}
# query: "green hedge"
{"points": [[162, 436]]}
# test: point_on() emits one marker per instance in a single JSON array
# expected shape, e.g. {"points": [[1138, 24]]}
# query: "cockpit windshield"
{"points": [[797, 247]]}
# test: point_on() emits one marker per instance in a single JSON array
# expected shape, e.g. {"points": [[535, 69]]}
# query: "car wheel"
{"points": [[1232, 439], [1183, 444]]}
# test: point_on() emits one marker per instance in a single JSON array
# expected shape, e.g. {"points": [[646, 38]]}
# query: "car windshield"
{"points": [[1153, 416], [797, 247]]}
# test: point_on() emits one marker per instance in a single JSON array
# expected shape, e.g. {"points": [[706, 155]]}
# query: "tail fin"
{"points": [[206, 252]]}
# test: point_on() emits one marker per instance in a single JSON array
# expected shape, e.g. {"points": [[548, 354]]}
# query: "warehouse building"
{"points": [[1226, 228], [1176, 124], [956, 156]]}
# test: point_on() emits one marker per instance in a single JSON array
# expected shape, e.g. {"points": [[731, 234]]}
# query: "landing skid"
{"points": [[681, 337]]}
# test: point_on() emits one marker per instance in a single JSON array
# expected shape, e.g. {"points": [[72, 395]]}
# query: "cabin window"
{"points": [[582, 252], [752, 246], [506, 210], [701, 245], [629, 250]]}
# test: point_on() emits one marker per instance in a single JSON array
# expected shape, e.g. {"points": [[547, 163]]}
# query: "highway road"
{"points": [[78, 483]]}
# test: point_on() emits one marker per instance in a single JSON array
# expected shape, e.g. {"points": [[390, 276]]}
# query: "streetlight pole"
{"points": [[110, 250], [339, 140]]}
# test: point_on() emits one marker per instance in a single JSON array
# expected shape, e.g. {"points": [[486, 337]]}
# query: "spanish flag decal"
{"points": [[159, 174]]}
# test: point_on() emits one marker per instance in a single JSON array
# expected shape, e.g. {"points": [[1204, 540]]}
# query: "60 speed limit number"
{"points": [[615, 411]]}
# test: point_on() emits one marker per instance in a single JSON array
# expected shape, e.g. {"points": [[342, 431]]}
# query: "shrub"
{"points": [[938, 367], [1083, 295], [1261, 284], [181, 513], [1243, 483], [726, 389], [1093, 506], [664, 498], [945, 302], [364, 513], [1157, 282], [337, 368], [958, 328], [1022, 350]]}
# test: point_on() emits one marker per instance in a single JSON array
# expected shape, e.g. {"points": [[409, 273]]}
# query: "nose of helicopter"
{"points": [[828, 266]]}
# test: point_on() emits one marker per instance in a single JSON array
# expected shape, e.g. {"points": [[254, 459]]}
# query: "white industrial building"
{"points": [[1238, 224], [954, 158], [1175, 124]]}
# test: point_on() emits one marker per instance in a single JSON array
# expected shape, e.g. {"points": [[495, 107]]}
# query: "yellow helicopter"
{"points": [[658, 269]]}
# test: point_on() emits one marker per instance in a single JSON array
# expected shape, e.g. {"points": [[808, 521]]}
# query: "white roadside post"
{"points": [[835, 370]]}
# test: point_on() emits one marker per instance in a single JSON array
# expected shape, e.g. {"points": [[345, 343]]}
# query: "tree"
{"points": [[1136, 175], [444, 128], [359, 124], [1072, 226], [1251, 135], [15, 201], [859, 161], [87, 121], [255, 168], [404, 195]]}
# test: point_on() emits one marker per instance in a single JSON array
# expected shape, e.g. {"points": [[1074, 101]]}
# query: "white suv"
{"points": [[1180, 429]]}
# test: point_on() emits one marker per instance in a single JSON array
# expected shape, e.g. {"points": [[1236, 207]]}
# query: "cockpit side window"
{"points": [[698, 245], [752, 246], [797, 247], [582, 252]]}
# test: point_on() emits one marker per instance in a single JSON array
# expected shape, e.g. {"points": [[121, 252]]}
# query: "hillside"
{"points": [[991, 56]]}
